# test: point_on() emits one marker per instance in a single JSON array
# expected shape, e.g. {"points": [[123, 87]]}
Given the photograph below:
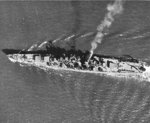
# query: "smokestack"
{"points": [[113, 9]]}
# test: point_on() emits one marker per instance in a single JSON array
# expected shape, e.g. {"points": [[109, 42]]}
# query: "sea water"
{"points": [[31, 95]]}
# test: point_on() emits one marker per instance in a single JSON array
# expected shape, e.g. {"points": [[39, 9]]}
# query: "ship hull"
{"points": [[125, 75], [99, 64]]}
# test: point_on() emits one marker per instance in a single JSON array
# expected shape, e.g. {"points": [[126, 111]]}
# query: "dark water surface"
{"points": [[30, 95]]}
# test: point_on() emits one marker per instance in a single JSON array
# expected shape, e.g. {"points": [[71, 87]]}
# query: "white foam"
{"points": [[146, 74]]}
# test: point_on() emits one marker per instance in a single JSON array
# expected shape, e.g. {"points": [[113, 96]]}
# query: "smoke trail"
{"points": [[113, 9]]}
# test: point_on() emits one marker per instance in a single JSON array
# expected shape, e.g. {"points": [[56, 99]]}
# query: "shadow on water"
{"points": [[107, 99]]}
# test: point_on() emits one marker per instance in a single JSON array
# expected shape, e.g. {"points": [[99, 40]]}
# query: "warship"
{"points": [[59, 58]]}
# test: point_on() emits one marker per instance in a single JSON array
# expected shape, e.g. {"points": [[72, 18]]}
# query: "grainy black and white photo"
{"points": [[75, 61]]}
